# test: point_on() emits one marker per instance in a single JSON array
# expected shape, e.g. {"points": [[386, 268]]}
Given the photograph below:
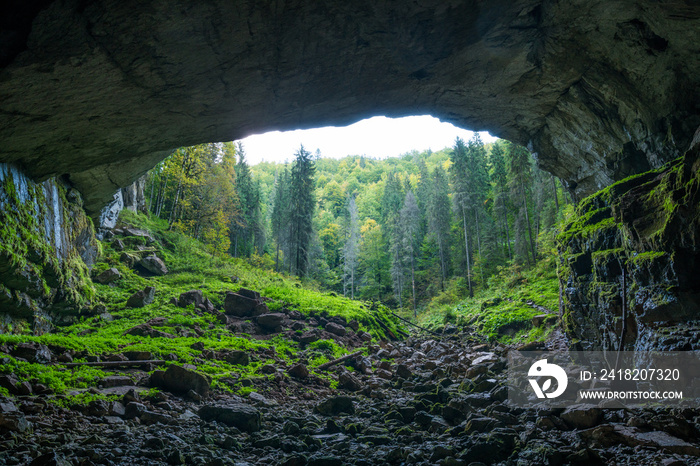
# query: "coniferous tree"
{"points": [[281, 214], [302, 204], [410, 226], [351, 247], [459, 169], [520, 179], [439, 219], [499, 178]]}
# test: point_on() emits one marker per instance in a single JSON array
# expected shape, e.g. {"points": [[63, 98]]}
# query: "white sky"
{"points": [[377, 137]]}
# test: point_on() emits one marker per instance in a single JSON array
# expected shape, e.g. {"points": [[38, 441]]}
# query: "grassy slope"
{"points": [[191, 266], [500, 312]]}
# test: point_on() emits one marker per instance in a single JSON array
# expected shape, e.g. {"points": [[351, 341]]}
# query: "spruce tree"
{"points": [[302, 204]]}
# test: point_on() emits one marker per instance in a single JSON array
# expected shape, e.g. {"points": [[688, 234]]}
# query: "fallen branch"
{"points": [[332, 363], [115, 363], [417, 326]]}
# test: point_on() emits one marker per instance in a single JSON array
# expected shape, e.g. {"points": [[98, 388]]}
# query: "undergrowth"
{"points": [[102, 331]]}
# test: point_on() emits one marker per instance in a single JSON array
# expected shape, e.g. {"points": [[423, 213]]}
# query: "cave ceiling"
{"points": [[100, 91]]}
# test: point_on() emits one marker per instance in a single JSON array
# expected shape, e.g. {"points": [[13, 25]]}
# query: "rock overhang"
{"points": [[101, 91]]}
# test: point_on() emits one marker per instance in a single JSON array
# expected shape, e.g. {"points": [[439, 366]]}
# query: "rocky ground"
{"points": [[426, 400]]}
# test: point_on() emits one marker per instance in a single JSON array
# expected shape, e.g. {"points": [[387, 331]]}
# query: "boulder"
{"points": [[245, 303], [238, 415], [349, 382], [152, 265], [271, 321], [192, 297], [142, 297], [610, 435], [335, 329], [582, 416], [336, 405], [108, 276], [236, 357], [298, 371], [13, 422], [309, 337], [51, 459], [32, 352], [177, 379]]}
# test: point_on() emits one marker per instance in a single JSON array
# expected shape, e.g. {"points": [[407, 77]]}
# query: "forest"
{"points": [[402, 231]]}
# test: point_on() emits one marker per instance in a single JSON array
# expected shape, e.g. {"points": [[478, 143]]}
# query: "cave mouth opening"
{"points": [[376, 137]]}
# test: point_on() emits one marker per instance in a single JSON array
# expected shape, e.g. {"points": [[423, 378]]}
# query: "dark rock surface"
{"points": [[142, 297], [180, 380], [438, 412], [644, 229], [153, 265], [599, 89], [108, 276]]}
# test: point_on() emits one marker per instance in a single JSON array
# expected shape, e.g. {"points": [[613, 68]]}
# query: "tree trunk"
{"points": [[466, 247], [556, 197], [527, 220], [413, 285], [478, 243], [505, 220]]}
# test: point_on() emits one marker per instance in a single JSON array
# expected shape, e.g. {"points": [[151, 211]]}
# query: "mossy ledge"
{"points": [[47, 245], [646, 228]]}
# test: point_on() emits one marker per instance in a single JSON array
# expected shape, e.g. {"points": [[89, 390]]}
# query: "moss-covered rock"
{"points": [[647, 229], [47, 245]]}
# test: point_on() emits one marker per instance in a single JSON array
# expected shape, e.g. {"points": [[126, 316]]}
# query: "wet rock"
{"points": [[152, 265], [142, 297], [241, 416], [50, 459], [349, 382], [582, 416], [336, 405], [403, 371], [335, 329], [192, 297], [177, 379], [13, 422], [271, 321], [610, 435], [134, 409], [108, 276], [32, 352], [298, 371]]}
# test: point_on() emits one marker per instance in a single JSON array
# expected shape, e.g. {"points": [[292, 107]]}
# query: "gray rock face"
{"points": [[599, 89]]}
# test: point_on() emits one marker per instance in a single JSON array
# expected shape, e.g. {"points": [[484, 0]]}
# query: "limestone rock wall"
{"points": [[47, 245], [647, 229]]}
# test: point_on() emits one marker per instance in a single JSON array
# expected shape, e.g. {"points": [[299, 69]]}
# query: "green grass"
{"points": [[500, 312], [190, 266]]}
